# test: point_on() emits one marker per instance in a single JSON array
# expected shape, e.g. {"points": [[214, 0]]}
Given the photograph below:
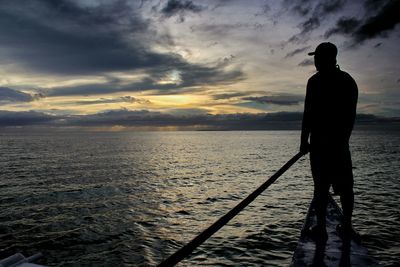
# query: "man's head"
{"points": [[324, 56]]}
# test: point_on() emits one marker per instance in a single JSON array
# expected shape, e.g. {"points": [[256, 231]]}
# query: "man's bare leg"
{"points": [[347, 201]]}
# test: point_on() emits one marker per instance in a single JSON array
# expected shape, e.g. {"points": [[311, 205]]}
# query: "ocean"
{"points": [[86, 198]]}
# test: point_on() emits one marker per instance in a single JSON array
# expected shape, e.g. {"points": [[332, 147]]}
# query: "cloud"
{"points": [[344, 25], [110, 86], [309, 25], [65, 38], [297, 51], [378, 25], [10, 95], [185, 112], [144, 118], [306, 62], [186, 119], [180, 7], [327, 7], [306, 28], [230, 95], [371, 6], [11, 118], [264, 10], [319, 10], [68, 39], [223, 29], [298, 7], [278, 99], [122, 99], [191, 76]]}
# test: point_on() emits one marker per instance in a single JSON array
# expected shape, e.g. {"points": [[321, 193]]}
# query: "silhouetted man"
{"points": [[328, 119]]}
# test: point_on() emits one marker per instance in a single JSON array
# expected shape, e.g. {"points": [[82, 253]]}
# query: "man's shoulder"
{"points": [[314, 77], [342, 74], [346, 78], [345, 75]]}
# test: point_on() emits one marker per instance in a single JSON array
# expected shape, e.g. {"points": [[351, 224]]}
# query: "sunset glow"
{"points": [[208, 57]]}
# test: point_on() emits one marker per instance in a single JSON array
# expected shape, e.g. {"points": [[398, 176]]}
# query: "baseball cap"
{"points": [[326, 49]]}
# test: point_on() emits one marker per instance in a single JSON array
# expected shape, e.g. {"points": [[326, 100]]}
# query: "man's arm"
{"points": [[305, 128], [352, 106]]}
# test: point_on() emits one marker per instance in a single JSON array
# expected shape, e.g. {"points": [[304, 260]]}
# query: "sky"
{"points": [[168, 63]]}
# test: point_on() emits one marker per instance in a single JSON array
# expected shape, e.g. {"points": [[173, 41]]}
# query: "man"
{"points": [[328, 119]]}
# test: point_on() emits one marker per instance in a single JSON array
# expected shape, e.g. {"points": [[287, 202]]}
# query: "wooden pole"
{"points": [[203, 236]]}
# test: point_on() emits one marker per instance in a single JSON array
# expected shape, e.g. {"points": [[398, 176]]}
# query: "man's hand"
{"points": [[304, 148]]}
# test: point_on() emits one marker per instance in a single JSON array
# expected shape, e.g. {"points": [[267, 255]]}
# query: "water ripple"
{"points": [[132, 199]]}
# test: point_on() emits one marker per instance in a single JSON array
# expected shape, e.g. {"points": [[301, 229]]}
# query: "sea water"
{"points": [[86, 198]]}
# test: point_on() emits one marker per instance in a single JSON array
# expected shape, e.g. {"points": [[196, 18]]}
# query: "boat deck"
{"points": [[334, 252]]}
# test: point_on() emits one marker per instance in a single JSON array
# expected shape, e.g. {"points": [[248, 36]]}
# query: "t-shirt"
{"points": [[330, 109]]}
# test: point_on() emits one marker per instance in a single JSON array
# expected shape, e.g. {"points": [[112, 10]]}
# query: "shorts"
{"points": [[332, 167]]}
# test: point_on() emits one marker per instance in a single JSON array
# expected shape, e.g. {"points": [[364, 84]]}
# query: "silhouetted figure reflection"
{"points": [[328, 119], [345, 257], [319, 254]]}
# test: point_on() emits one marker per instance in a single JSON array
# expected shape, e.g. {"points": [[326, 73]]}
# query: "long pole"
{"points": [[203, 236]]}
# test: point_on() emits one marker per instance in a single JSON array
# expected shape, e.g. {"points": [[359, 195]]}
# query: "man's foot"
{"points": [[317, 232]]}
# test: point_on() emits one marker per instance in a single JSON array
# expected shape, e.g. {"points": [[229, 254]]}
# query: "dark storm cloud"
{"points": [[11, 118], [297, 51], [380, 24], [64, 38], [109, 87], [319, 10], [180, 7], [371, 6], [306, 28], [302, 10], [282, 99], [11, 95], [344, 25], [327, 7], [191, 76], [8, 95]]}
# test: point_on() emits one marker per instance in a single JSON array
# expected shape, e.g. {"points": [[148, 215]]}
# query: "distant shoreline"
{"points": [[136, 120], [291, 126]]}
